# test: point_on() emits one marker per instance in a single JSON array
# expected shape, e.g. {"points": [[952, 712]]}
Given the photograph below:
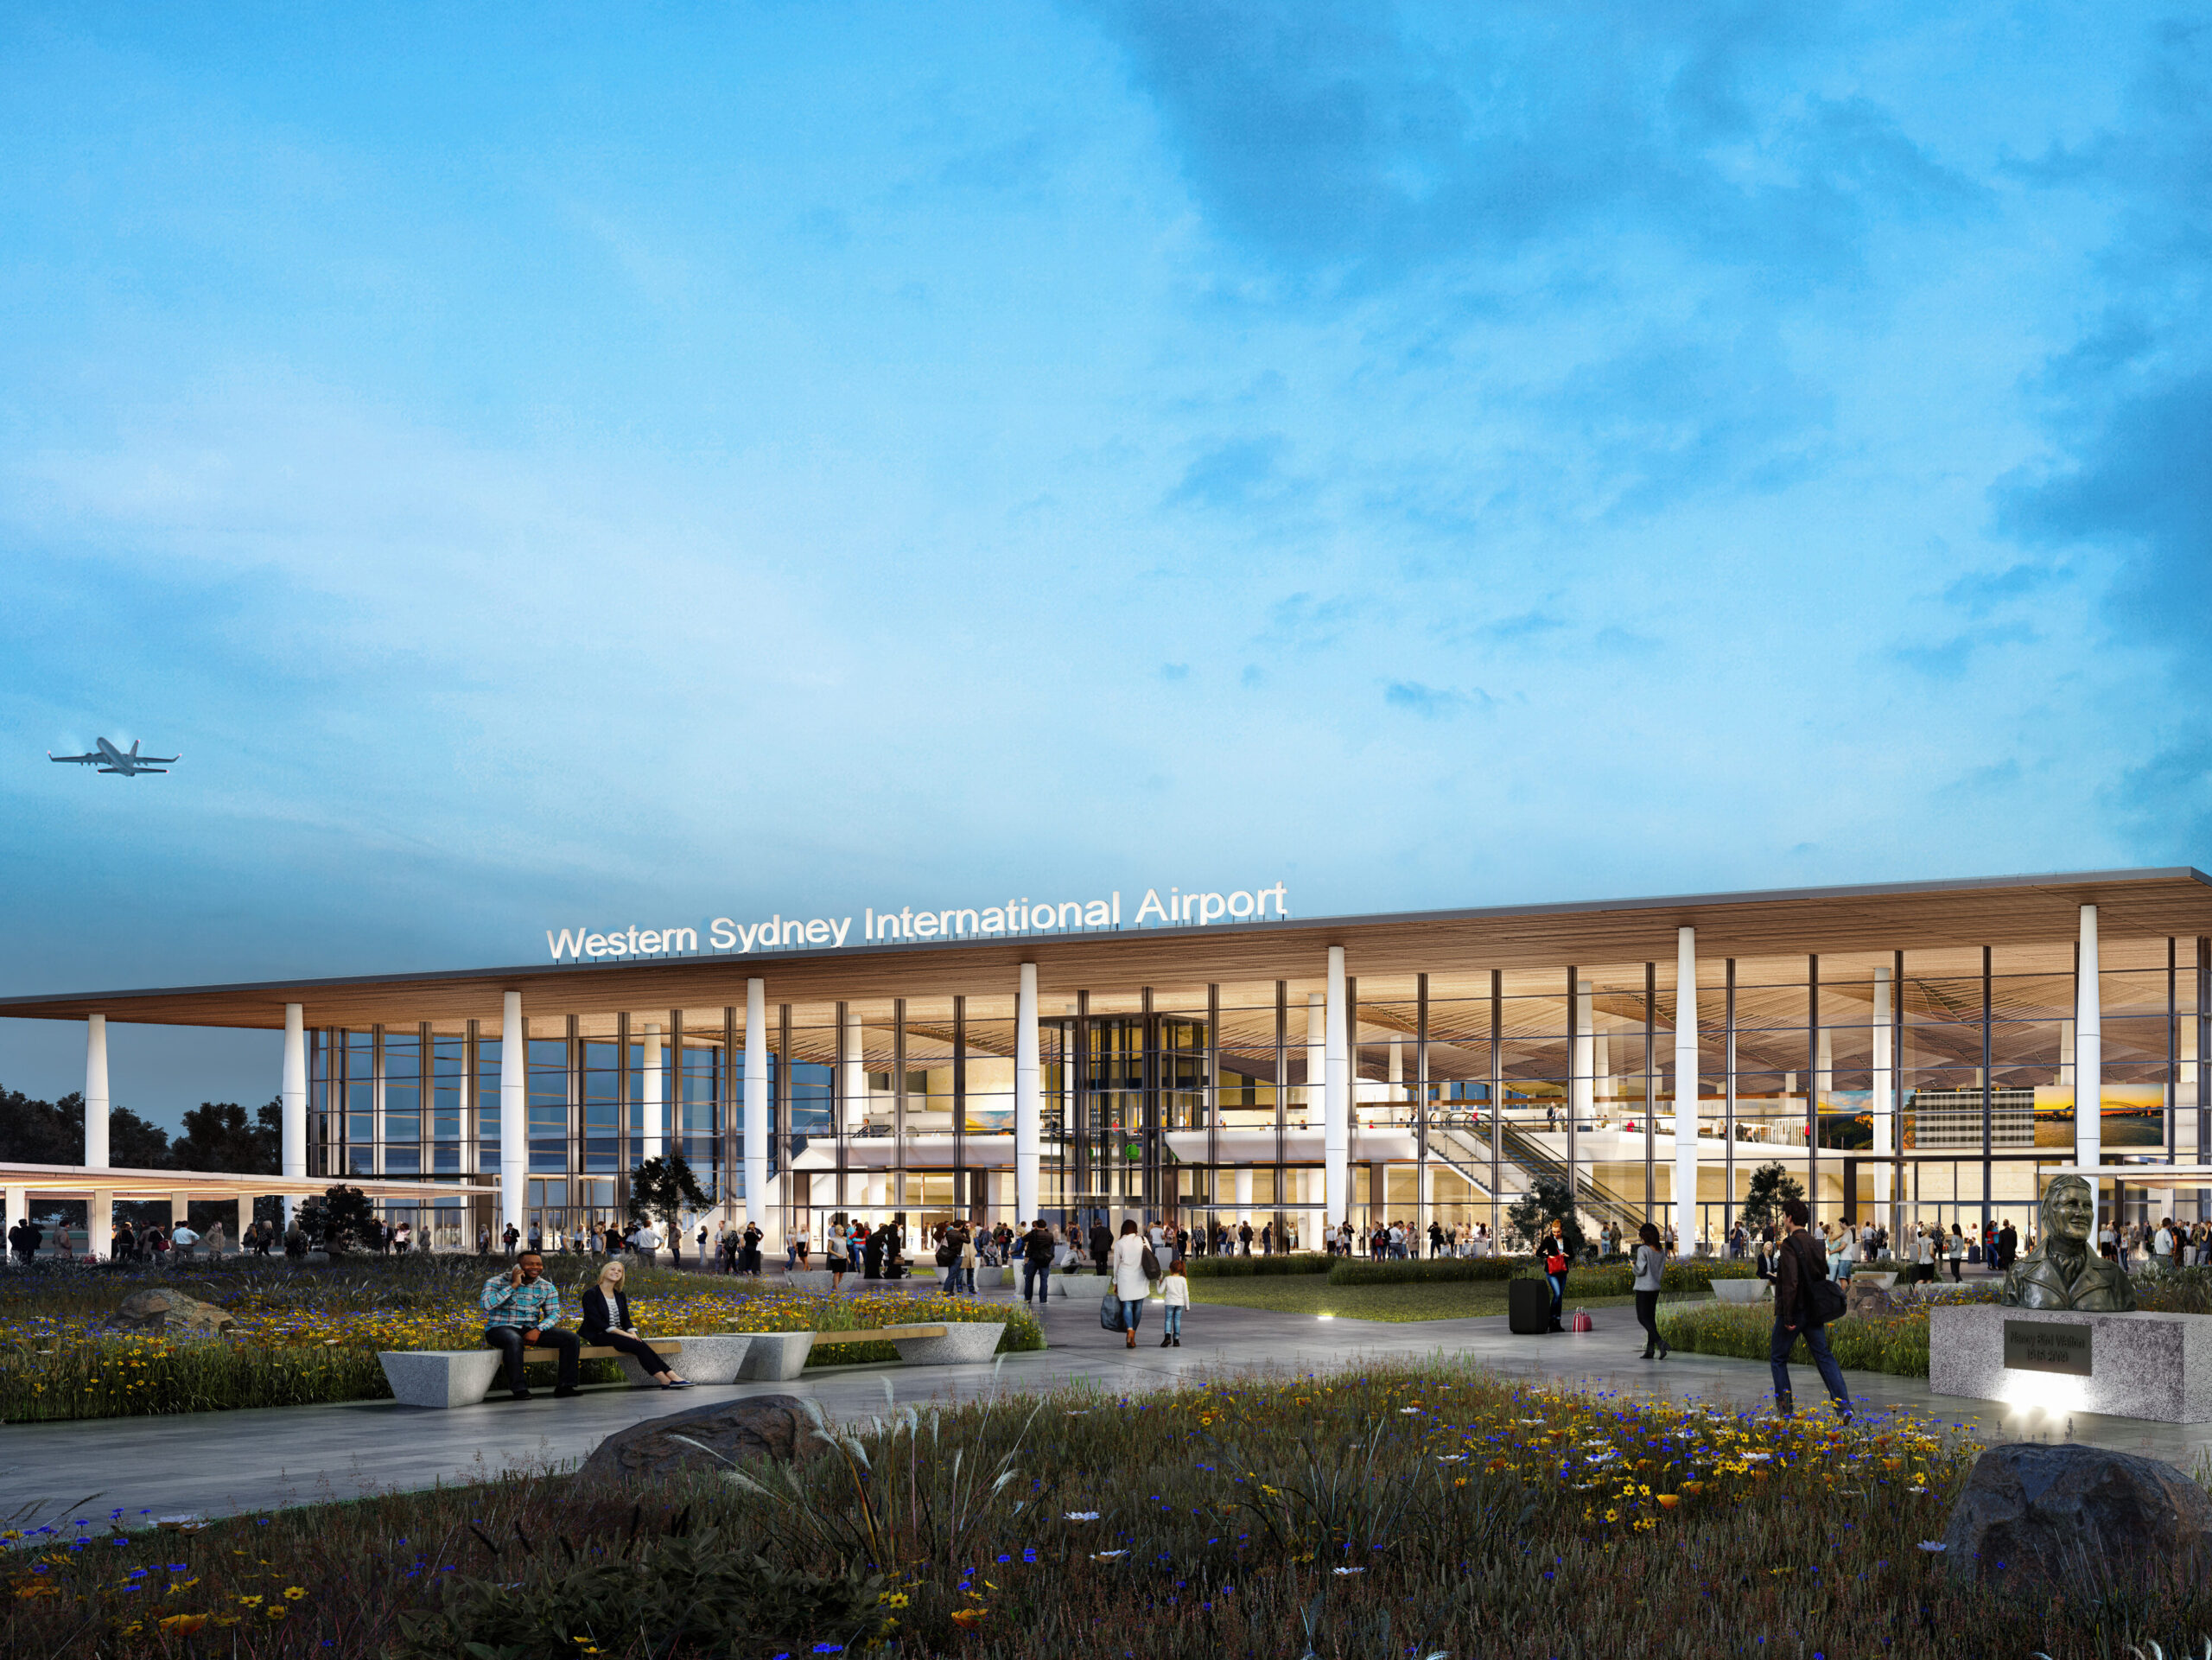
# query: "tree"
{"points": [[1770, 1185], [1551, 1200], [341, 1218], [663, 1188], [217, 1136], [52, 1132]]}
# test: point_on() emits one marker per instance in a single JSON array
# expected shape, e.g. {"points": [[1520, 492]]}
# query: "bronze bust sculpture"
{"points": [[2065, 1271]]}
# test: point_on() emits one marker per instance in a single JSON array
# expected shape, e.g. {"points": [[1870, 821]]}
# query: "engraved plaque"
{"points": [[2046, 1345]]}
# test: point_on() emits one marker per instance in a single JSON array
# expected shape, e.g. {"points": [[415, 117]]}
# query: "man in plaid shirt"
{"points": [[522, 1310]]}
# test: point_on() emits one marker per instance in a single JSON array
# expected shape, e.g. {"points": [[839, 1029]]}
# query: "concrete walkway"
{"points": [[217, 1463]]}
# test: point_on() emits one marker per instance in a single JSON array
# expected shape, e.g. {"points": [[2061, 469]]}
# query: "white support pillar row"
{"points": [[1028, 1099], [292, 1098], [756, 1102], [656, 1113], [514, 1109], [1687, 1232], [1885, 1102], [854, 1086], [2090, 1057], [96, 1091], [1336, 1119]]}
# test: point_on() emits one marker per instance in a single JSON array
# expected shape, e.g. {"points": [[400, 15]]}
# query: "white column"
{"points": [[2089, 1056], [1884, 1103], [1028, 1098], [293, 1102], [855, 1084], [96, 1091], [655, 1112], [1823, 1069], [19, 1208], [1687, 1232], [756, 1102], [99, 1224], [1244, 1192], [514, 1113], [246, 1223], [1336, 1121], [180, 1210], [1397, 1069]]}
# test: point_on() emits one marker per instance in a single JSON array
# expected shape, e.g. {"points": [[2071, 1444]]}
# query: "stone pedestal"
{"points": [[965, 1343], [715, 1358], [775, 1357], [2138, 1366]]}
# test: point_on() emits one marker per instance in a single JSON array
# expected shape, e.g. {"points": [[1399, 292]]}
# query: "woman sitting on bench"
{"points": [[607, 1325]]}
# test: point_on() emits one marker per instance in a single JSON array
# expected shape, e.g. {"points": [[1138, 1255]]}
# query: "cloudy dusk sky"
{"points": [[560, 467]]}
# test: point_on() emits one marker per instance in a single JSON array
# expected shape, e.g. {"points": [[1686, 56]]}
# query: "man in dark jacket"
{"points": [[1102, 1245], [1799, 1266], [1037, 1262]]}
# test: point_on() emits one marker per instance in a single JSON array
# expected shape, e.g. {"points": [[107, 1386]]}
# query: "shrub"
{"points": [[1233, 1268], [1352, 1270]]}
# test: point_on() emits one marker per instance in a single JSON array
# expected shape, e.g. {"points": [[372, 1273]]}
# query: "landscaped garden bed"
{"points": [[307, 1334], [1893, 1342], [1403, 1511]]}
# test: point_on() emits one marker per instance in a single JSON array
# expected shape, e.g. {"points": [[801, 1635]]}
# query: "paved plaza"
{"points": [[218, 1463]]}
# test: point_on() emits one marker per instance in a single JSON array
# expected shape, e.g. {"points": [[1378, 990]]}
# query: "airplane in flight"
{"points": [[108, 758]]}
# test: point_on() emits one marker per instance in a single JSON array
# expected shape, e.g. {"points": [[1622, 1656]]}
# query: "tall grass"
{"points": [[1896, 1343], [1420, 1510]]}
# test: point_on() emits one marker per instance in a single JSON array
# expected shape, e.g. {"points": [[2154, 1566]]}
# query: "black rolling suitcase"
{"points": [[1528, 1307]]}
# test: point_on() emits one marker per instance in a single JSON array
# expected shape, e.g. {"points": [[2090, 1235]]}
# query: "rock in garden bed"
{"points": [[171, 1313], [771, 1427], [2033, 1513]]}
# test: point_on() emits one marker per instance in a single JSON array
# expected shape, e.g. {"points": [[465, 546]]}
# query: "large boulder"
{"points": [[2034, 1512], [765, 1427], [171, 1313]]}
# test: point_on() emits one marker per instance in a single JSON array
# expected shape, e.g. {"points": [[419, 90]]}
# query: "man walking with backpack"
{"points": [[1805, 1300]]}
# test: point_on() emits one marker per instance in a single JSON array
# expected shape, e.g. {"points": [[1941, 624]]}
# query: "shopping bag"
{"points": [[1109, 1313]]}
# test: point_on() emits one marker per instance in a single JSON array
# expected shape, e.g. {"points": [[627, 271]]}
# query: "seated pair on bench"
{"points": [[522, 1311]]}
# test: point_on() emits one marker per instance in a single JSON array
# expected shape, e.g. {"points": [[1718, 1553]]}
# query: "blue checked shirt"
{"points": [[532, 1306]]}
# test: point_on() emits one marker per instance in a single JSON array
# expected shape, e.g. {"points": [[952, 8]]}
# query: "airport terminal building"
{"points": [[1914, 1051]]}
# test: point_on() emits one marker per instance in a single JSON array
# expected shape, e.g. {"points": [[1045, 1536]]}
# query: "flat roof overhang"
{"points": [[79, 1181], [1906, 916]]}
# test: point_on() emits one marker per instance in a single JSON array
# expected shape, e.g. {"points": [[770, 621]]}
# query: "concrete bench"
{"points": [[778, 1357], [458, 1378]]}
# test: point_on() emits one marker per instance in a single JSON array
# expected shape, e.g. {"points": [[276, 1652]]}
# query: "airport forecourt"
{"points": [[1914, 1053]]}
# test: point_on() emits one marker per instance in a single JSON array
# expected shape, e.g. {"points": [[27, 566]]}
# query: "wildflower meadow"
{"points": [[311, 1333]]}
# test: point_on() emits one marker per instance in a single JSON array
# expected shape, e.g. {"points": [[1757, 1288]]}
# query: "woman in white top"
{"points": [[1132, 1285], [1650, 1264]]}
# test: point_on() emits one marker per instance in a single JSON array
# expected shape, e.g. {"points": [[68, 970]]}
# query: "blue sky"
{"points": [[541, 469]]}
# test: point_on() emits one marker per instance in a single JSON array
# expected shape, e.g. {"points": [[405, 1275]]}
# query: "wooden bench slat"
{"points": [[880, 1334], [658, 1344]]}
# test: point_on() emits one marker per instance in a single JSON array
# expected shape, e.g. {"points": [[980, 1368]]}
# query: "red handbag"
{"points": [[1577, 1321]]}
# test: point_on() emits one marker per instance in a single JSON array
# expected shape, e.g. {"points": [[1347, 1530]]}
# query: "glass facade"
{"points": [[1929, 1083]]}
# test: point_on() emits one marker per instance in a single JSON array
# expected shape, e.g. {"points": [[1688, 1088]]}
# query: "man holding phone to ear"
{"points": [[522, 1311]]}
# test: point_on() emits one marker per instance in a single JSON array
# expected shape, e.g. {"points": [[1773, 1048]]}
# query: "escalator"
{"points": [[1462, 1143]]}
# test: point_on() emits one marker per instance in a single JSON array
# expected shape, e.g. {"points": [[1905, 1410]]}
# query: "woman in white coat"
{"points": [[1132, 1285]]}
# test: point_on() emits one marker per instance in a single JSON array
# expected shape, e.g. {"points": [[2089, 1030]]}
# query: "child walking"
{"points": [[1175, 1289]]}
